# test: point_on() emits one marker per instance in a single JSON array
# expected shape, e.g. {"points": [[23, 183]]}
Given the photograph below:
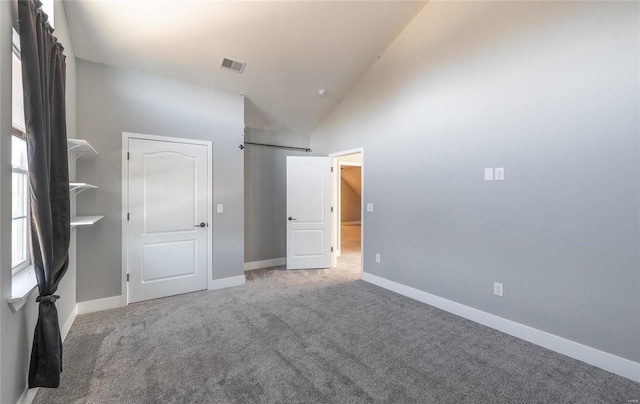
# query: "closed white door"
{"points": [[308, 212], [168, 218]]}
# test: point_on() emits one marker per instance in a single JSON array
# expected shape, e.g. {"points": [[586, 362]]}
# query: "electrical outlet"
{"points": [[378, 258], [499, 174], [498, 289], [369, 207]]}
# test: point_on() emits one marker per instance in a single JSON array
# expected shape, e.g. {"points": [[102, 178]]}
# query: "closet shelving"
{"points": [[80, 147], [84, 220]]}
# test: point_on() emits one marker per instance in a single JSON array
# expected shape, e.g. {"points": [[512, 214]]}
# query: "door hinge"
{"points": [[127, 277], [331, 249], [127, 215], [331, 169], [127, 155], [332, 209]]}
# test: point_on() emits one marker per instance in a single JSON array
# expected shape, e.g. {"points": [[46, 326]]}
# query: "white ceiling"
{"points": [[291, 48]]}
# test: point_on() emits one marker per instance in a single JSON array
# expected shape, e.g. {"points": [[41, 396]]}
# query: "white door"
{"points": [[168, 218], [308, 212]]}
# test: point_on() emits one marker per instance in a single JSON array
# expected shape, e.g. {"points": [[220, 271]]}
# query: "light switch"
{"points": [[500, 174], [219, 208], [488, 174], [369, 207]]}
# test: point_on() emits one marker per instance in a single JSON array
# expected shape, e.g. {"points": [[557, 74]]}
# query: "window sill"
{"points": [[23, 284]]}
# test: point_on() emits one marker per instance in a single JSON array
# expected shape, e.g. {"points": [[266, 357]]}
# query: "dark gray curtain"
{"points": [[43, 76]]}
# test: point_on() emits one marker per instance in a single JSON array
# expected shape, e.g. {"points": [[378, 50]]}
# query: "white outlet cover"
{"points": [[498, 289], [500, 174], [488, 174], [219, 208], [378, 258], [369, 207]]}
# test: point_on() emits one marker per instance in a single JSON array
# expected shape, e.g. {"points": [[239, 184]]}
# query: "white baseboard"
{"points": [[249, 266], [106, 303], [64, 330], [28, 396], [227, 282], [609, 362]]}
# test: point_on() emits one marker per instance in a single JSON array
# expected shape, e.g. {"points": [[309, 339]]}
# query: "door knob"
{"points": [[203, 224], [291, 218]]}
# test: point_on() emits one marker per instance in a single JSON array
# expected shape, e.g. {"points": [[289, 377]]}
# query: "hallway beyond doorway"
{"points": [[350, 258], [349, 263]]}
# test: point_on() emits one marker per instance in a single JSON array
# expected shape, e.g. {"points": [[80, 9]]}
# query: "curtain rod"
{"points": [[273, 145]]}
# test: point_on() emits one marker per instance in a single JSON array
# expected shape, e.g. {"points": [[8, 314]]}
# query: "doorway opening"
{"points": [[347, 185]]}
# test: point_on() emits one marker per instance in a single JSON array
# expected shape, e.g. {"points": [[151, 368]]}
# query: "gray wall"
{"points": [[548, 90], [112, 101], [16, 329], [265, 192]]}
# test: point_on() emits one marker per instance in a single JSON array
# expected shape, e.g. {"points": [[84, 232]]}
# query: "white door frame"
{"points": [[335, 186], [124, 297]]}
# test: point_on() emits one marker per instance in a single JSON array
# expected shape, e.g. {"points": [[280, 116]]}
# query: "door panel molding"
{"points": [[126, 136]]}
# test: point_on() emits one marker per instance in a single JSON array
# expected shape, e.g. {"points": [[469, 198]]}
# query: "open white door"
{"points": [[168, 218], [308, 212]]}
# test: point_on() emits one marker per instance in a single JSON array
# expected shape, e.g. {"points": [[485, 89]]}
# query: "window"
{"points": [[19, 176], [47, 7], [20, 205]]}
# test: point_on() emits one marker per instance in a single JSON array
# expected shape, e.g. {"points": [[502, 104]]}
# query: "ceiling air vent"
{"points": [[232, 65]]}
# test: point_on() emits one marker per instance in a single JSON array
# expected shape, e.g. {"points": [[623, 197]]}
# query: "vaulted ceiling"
{"points": [[291, 48]]}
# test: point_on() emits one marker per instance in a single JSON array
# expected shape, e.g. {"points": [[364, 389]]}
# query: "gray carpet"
{"points": [[319, 336]]}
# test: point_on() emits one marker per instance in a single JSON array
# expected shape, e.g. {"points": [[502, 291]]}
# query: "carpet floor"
{"points": [[312, 336]]}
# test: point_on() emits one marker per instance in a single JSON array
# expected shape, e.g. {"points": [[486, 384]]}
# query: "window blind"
{"points": [[17, 103]]}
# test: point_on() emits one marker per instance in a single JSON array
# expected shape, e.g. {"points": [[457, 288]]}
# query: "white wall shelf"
{"points": [[78, 147], [84, 220], [77, 187]]}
